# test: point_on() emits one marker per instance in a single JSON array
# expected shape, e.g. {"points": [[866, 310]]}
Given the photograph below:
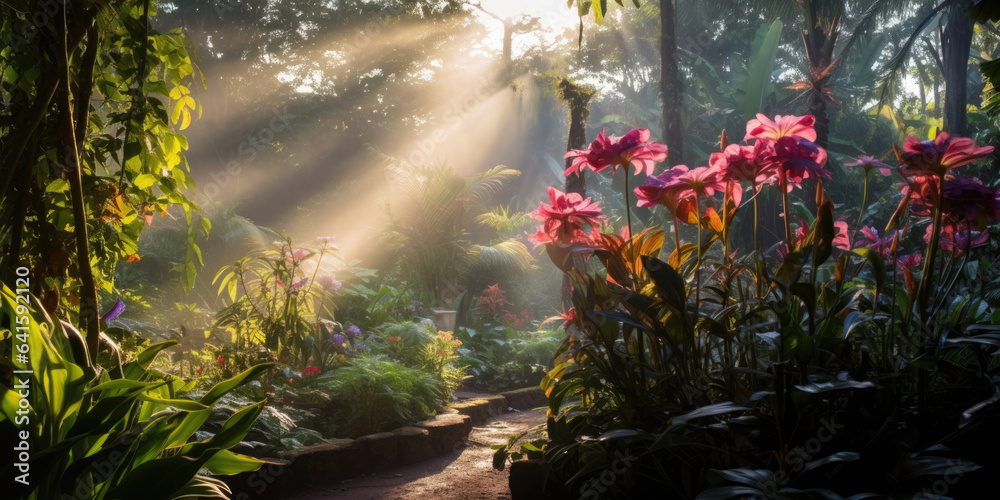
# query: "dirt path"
{"points": [[464, 475]]}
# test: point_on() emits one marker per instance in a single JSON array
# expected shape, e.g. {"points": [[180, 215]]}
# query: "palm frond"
{"points": [[506, 256], [895, 68]]}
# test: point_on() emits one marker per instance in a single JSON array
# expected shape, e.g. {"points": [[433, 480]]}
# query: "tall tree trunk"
{"points": [[671, 90], [577, 98], [70, 156], [956, 42], [922, 77]]}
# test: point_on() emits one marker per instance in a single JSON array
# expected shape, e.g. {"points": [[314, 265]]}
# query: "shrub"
{"points": [[375, 395]]}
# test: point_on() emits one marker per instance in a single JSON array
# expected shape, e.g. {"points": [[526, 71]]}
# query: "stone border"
{"points": [[343, 459]]}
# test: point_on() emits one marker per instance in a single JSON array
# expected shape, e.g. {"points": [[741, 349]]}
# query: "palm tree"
{"points": [[430, 227]]}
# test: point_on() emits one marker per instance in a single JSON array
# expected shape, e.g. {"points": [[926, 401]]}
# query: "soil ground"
{"points": [[467, 474]]}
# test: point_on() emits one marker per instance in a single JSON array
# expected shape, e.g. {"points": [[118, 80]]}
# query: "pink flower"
{"points": [[842, 239], [868, 163], [664, 189], [746, 163], [633, 148], [876, 243], [797, 127], [909, 261], [565, 219], [940, 155], [700, 181]]}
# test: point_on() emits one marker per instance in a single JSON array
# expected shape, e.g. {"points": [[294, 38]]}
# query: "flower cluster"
{"points": [[564, 220]]}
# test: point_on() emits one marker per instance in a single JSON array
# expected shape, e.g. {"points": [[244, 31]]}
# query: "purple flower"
{"points": [[338, 340], [298, 284], [353, 331], [329, 283], [115, 311]]}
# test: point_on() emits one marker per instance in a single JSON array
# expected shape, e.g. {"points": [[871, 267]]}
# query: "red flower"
{"points": [[564, 220], [633, 148], [283, 359], [221, 361], [310, 370], [940, 155], [394, 339], [199, 370], [798, 127]]}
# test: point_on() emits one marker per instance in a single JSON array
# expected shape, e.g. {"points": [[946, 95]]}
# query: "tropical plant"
{"points": [[279, 300], [119, 433], [734, 368], [375, 395]]}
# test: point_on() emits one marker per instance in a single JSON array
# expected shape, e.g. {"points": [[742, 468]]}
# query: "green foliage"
{"points": [[95, 436], [130, 147], [430, 228], [406, 341], [278, 300], [375, 395]]}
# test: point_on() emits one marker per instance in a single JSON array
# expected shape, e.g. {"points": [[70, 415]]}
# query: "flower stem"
{"points": [[783, 185], [864, 206], [628, 211]]}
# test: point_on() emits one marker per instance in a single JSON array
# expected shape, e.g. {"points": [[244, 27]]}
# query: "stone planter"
{"points": [[444, 319]]}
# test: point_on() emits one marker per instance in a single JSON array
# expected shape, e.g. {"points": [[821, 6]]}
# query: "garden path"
{"points": [[466, 474]]}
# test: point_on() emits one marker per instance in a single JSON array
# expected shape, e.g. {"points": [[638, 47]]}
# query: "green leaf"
{"points": [[763, 51], [144, 181], [227, 385], [227, 463]]}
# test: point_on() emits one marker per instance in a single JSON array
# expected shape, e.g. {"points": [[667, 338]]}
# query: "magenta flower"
{"points": [[565, 219], [940, 155], [868, 163], [633, 148]]}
